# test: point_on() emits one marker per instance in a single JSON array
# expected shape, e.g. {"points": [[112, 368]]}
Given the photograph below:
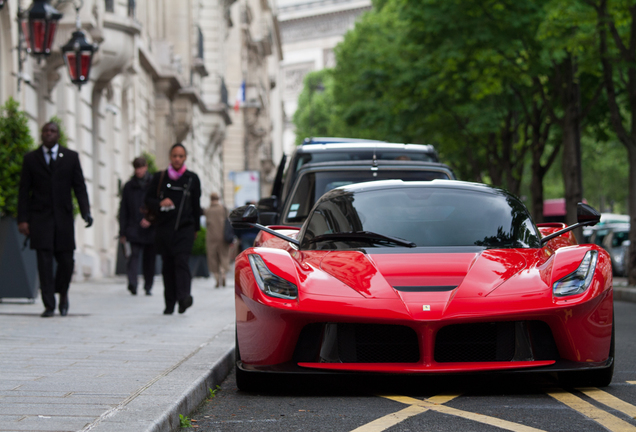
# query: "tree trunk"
{"points": [[631, 264], [536, 187], [571, 164]]}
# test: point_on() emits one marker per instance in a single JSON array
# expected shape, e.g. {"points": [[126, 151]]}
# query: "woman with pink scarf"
{"points": [[173, 196]]}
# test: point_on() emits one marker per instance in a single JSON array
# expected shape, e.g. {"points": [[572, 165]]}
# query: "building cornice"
{"points": [[124, 24], [320, 7], [174, 81], [194, 95]]}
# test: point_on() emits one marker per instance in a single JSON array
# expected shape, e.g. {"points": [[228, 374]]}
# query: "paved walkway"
{"points": [[115, 363]]}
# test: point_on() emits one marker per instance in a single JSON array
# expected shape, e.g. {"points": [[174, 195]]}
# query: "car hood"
{"points": [[426, 282]]}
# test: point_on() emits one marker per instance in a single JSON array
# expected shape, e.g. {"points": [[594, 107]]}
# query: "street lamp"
{"points": [[78, 56], [39, 24]]}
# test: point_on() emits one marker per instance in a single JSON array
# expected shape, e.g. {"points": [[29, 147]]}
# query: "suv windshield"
{"points": [[426, 216], [313, 185]]}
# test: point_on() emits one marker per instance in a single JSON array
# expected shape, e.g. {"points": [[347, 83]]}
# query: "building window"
{"points": [[224, 96], [200, 43], [110, 5], [131, 8]]}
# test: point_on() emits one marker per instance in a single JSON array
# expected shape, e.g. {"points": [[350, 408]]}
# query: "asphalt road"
{"points": [[478, 403]]}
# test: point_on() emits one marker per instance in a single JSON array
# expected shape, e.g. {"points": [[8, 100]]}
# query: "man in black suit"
{"points": [[45, 213]]}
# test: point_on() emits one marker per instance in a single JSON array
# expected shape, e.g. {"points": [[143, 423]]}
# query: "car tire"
{"points": [[593, 378]]}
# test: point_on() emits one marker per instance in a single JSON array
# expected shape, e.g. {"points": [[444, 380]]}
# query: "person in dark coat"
{"points": [[178, 220], [135, 229], [45, 213]]}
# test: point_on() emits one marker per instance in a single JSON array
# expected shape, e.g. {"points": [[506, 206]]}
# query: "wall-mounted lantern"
{"points": [[78, 56], [39, 24]]}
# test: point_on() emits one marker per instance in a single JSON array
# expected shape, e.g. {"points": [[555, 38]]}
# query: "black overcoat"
{"points": [[45, 200], [130, 215], [175, 234]]}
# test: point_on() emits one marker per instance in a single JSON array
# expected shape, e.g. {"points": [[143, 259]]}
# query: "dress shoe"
{"points": [[47, 314], [64, 306], [167, 311], [185, 304], [148, 293], [132, 289]]}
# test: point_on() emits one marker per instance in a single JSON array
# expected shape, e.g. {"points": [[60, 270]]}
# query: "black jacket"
{"points": [[132, 199], [175, 228], [45, 200]]}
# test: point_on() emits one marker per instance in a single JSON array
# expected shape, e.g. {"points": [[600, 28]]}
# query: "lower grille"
{"points": [[357, 343], [377, 343], [495, 342]]}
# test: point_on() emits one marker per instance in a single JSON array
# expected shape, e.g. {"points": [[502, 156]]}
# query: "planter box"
{"points": [[199, 266], [120, 263], [18, 265]]}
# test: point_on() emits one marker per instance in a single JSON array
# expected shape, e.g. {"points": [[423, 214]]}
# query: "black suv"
{"points": [[322, 164]]}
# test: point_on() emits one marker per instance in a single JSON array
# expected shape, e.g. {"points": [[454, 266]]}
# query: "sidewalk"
{"points": [[115, 363], [623, 292]]}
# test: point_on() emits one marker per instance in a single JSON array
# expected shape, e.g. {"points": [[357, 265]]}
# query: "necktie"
{"points": [[51, 160]]}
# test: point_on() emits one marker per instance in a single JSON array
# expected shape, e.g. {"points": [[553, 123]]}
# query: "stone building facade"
{"points": [[310, 31], [159, 77], [254, 140]]}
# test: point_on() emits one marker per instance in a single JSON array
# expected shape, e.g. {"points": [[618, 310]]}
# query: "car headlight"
{"points": [[580, 280], [269, 283]]}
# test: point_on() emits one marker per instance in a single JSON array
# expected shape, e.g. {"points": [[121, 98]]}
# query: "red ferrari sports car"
{"points": [[423, 278]]}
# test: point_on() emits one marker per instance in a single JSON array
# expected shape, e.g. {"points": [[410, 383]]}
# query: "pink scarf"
{"points": [[174, 174]]}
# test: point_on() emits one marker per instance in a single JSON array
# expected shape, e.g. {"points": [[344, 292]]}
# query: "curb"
{"points": [[627, 294], [195, 394]]}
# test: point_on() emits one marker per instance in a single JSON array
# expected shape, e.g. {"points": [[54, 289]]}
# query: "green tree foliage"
{"points": [[199, 246], [498, 86], [316, 115], [15, 142], [151, 160]]}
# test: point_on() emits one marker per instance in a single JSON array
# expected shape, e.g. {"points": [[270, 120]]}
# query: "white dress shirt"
{"points": [[55, 149]]}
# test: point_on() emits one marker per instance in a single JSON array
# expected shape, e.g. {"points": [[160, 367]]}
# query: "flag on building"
{"points": [[240, 97]]}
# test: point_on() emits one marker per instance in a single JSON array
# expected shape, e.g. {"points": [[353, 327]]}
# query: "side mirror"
{"points": [[268, 218], [244, 216], [247, 217], [269, 204], [587, 215]]}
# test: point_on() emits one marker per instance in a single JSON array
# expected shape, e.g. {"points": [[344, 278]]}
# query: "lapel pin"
{"points": [[61, 154]]}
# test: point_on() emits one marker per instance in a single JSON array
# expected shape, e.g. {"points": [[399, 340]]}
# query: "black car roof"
{"points": [[332, 140], [392, 184]]}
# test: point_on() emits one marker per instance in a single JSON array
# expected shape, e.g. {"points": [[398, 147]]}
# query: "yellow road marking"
{"points": [[390, 420], [631, 382], [605, 419], [609, 400], [383, 423], [493, 421]]}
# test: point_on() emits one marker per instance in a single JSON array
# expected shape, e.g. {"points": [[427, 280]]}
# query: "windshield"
{"points": [[426, 216], [313, 185]]}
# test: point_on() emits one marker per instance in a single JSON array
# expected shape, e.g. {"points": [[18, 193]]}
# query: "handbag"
{"points": [[228, 232], [151, 215]]}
